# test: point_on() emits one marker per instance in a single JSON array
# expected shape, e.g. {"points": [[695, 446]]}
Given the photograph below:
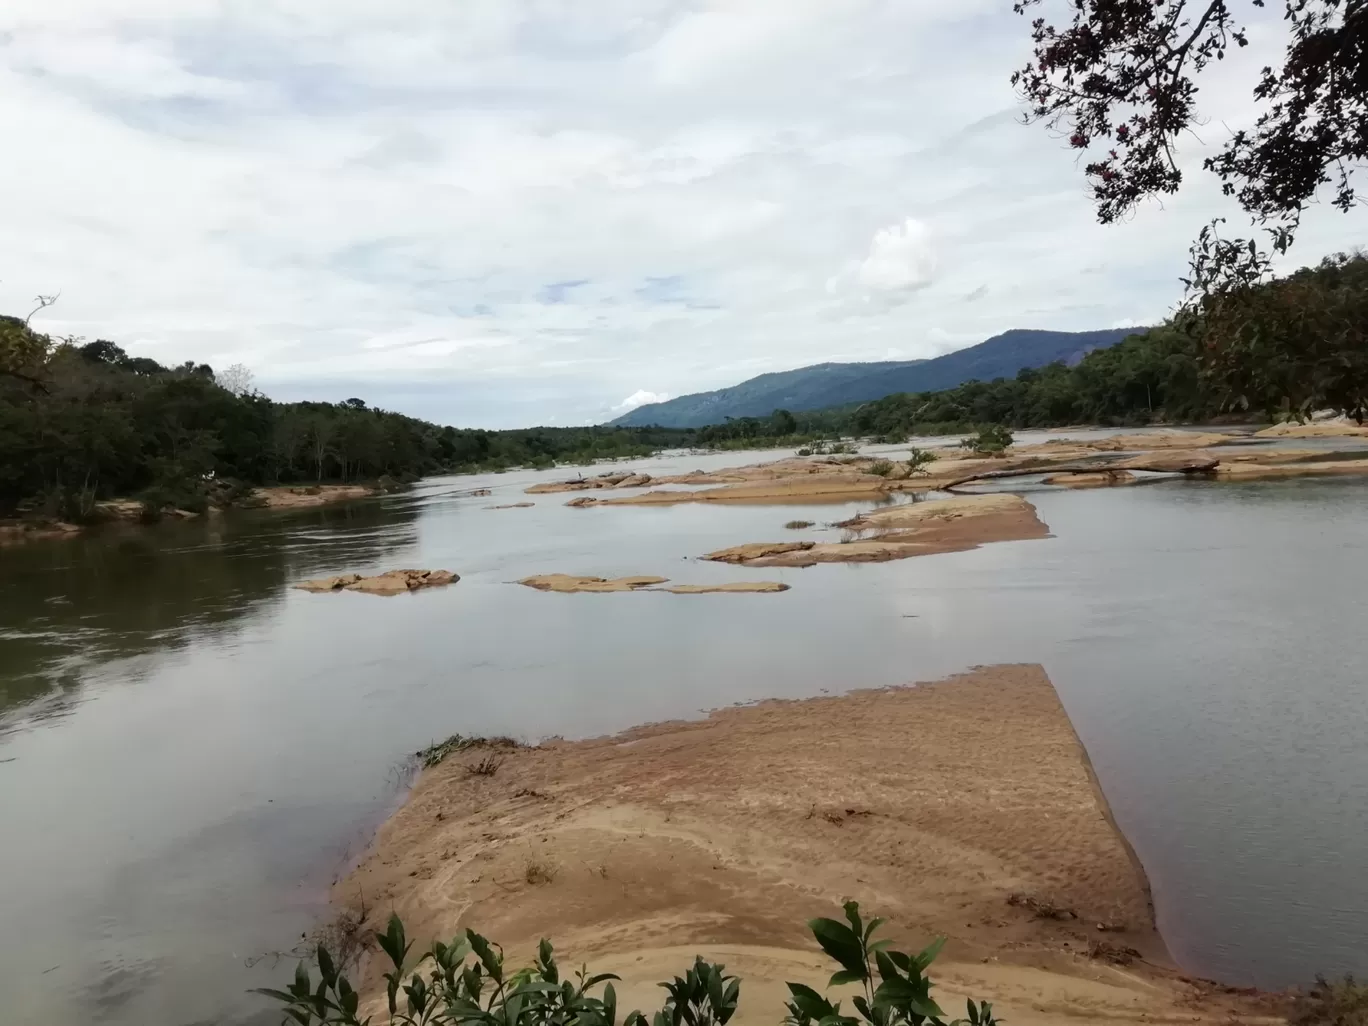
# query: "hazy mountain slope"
{"points": [[833, 384]]}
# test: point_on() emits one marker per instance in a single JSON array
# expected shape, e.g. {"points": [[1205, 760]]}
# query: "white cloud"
{"points": [[901, 259], [640, 397], [503, 211]]}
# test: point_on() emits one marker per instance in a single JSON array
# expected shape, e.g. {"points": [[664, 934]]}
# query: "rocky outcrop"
{"points": [[514, 505], [913, 529], [584, 484], [570, 583], [583, 500], [391, 582]]}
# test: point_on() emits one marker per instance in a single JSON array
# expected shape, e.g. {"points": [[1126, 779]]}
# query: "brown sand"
{"points": [[391, 582], [1101, 479], [292, 497], [1253, 471], [720, 837], [566, 583], [913, 529]]}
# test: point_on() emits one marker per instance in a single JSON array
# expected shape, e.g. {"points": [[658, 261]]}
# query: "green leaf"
{"points": [[852, 911], [482, 948], [837, 940], [809, 1002], [874, 924], [843, 977], [887, 970], [278, 995], [930, 952]]}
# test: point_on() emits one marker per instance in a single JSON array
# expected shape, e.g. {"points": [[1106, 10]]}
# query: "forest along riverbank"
{"points": [[964, 808]]}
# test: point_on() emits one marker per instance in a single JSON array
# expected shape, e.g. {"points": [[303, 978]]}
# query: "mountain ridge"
{"points": [[822, 385]]}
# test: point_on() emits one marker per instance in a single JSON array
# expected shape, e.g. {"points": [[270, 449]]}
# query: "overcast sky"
{"points": [[506, 212]]}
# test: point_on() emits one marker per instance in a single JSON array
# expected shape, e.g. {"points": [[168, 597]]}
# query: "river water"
{"points": [[190, 751]]}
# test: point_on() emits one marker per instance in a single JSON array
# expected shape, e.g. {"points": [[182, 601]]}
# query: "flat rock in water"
{"points": [[391, 582], [1097, 479], [570, 583], [1191, 461], [749, 587]]}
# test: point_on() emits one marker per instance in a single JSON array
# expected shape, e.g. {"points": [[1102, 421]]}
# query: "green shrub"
{"points": [[918, 459], [468, 984], [805, 451], [881, 467], [798, 525], [991, 440], [1342, 1003]]}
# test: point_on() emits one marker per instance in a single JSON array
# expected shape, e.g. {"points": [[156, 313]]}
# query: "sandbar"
{"points": [[932, 805]]}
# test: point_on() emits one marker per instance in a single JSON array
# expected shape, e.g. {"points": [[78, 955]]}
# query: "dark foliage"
{"points": [[468, 983], [80, 423], [1122, 75]]}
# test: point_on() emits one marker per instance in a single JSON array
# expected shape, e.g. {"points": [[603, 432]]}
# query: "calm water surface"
{"points": [[190, 751]]}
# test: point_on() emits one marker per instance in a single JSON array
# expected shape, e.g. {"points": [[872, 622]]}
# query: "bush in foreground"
{"points": [[468, 984]]}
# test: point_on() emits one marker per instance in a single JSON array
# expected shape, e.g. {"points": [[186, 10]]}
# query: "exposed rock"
{"points": [[513, 505], [391, 582], [1339, 427], [1160, 440], [569, 583], [583, 500], [745, 554], [947, 525], [1190, 461], [756, 587], [548, 487], [1250, 471], [291, 497], [1100, 479]]}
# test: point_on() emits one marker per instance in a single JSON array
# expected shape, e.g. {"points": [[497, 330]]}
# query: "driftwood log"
{"points": [[1163, 463]]}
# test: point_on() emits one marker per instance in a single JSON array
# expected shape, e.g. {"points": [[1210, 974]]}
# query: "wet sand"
{"points": [[932, 805]]}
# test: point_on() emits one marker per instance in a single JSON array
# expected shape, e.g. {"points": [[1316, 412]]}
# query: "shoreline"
{"points": [[127, 512], [722, 835]]}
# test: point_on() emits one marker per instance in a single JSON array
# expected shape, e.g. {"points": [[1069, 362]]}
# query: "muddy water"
{"points": [[189, 750]]}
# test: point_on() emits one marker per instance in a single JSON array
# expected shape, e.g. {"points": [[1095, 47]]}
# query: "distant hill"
{"points": [[837, 384]]}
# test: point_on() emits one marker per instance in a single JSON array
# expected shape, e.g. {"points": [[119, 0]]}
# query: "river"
{"points": [[190, 751]]}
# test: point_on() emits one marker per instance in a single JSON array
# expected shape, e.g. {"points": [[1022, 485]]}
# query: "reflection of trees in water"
{"points": [[133, 591]]}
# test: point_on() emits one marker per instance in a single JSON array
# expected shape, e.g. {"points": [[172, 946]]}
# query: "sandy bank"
{"points": [[931, 805], [1254, 471], [297, 497], [568, 583], [911, 529], [1100, 479], [391, 582], [1337, 428]]}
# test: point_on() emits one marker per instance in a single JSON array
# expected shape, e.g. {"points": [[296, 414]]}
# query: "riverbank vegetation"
{"points": [[82, 422], [469, 983]]}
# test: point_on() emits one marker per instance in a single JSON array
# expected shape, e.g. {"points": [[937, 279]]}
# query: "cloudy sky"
{"points": [[506, 212]]}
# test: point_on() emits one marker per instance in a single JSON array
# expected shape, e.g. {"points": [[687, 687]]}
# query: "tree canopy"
{"points": [[1120, 79]]}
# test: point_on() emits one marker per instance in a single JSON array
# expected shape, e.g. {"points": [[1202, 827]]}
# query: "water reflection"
{"points": [[226, 743], [127, 591]]}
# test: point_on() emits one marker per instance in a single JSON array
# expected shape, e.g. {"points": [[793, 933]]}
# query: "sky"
{"points": [[498, 213]]}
